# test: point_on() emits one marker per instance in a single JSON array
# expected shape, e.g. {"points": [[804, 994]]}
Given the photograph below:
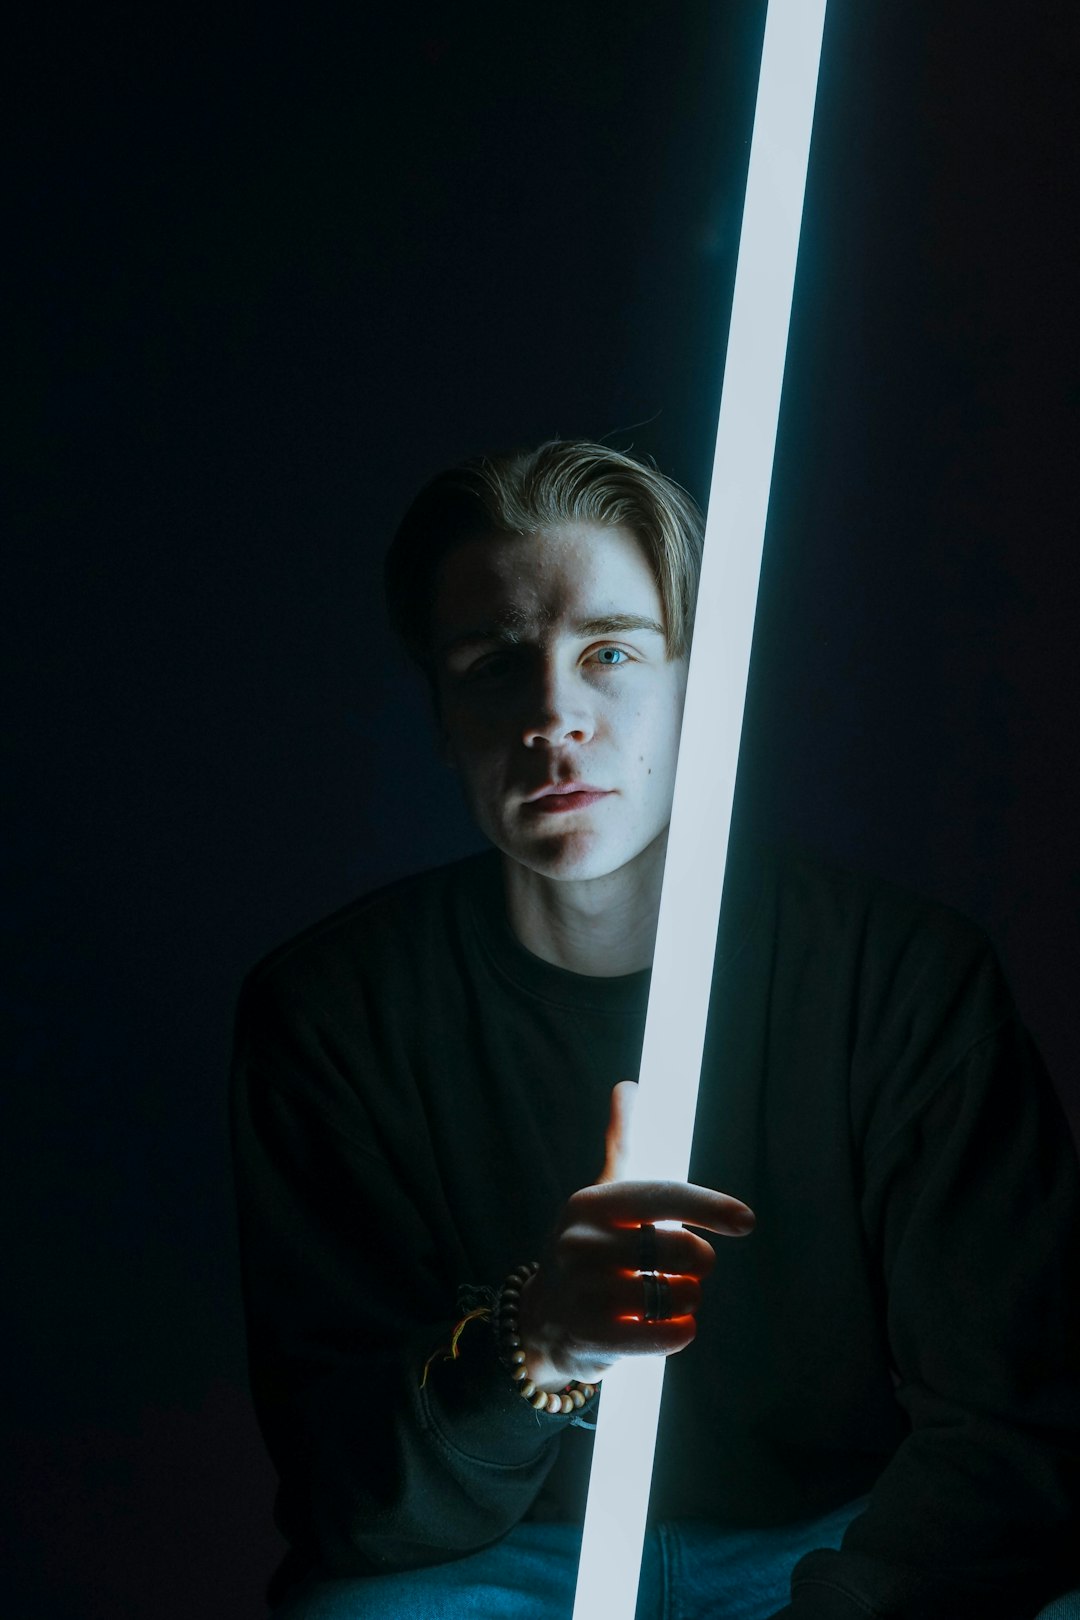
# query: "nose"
{"points": [[558, 710]]}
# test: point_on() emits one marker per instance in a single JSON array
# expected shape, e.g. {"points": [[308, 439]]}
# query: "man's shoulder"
{"points": [[372, 935], [916, 981], [842, 900]]}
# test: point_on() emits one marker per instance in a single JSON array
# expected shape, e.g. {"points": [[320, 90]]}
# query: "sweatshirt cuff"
{"points": [[473, 1405]]}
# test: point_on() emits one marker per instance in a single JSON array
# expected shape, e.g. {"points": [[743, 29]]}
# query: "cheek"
{"points": [[471, 733], [657, 738]]}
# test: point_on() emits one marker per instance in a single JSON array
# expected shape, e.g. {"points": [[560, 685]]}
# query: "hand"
{"points": [[584, 1308]]}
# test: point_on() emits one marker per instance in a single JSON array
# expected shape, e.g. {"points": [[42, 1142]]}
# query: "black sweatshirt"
{"points": [[414, 1097]]}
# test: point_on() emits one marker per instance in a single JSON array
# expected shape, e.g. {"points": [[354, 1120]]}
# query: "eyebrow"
{"points": [[508, 630]]}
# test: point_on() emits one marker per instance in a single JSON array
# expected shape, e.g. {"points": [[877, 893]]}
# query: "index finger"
{"points": [[632, 1203]]}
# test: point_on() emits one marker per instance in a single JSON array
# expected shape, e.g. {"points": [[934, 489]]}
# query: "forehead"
{"points": [[539, 579]]}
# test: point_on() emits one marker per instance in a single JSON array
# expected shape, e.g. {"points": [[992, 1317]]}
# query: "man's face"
{"points": [[552, 668]]}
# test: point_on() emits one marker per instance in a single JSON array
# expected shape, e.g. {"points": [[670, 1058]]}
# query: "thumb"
{"points": [[617, 1138]]}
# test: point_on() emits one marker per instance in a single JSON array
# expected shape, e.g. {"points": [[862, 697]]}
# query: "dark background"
{"points": [[274, 266]]}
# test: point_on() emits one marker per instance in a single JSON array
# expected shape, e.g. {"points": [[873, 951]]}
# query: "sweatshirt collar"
{"points": [[623, 993]]}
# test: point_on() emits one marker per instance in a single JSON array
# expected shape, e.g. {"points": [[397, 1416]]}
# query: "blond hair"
{"points": [[526, 491]]}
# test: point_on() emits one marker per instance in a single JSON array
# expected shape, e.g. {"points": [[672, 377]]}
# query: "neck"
{"points": [[602, 927]]}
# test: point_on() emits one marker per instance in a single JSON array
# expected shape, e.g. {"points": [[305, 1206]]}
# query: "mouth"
{"points": [[561, 797]]}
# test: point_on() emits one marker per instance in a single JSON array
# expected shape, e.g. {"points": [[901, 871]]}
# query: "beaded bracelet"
{"points": [[512, 1351]]}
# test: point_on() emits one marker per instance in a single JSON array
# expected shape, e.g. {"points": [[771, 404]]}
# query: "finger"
{"points": [[617, 1139], [620, 1296], [586, 1247], [681, 1297], [678, 1251], [631, 1203], [629, 1335]]}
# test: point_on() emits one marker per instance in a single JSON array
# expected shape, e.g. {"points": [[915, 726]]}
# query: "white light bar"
{"points": [[666, 1103]]}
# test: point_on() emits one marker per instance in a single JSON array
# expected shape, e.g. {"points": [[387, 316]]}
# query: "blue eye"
{"points": [[618, 650]]}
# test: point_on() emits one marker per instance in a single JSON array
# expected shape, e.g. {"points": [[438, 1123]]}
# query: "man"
{"points": [[872, 1404]]}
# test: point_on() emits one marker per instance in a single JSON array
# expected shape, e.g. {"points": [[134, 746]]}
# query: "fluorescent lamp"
{"points": [[666, 1103]]}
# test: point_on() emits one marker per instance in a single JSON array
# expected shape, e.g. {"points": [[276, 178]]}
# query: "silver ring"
{"points": [[657, 1301]]}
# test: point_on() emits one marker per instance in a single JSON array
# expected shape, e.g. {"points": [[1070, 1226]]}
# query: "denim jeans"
{"points": [[690, 1571]]}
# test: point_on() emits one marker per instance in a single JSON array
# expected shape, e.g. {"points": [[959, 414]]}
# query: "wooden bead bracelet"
{"points": [[512, 1351]]}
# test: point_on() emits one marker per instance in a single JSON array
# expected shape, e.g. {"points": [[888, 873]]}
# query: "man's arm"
{"points": [[973, 1208], [344, 1305]]}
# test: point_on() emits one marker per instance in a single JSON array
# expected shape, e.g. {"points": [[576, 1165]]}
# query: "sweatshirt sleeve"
{"points": [[972, 1208], [344, 1304]]}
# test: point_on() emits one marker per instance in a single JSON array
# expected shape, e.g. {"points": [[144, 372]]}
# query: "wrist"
{"points": [[563, 1395], [539, 1362]]}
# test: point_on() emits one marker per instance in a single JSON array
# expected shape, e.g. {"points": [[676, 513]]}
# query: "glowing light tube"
{"points": [[666, 1103]]}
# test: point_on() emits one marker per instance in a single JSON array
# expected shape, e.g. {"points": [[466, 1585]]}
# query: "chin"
{"points": [[570, 857]]}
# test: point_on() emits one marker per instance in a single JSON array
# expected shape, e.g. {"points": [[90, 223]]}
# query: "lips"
{"points": [[559, 789], [563, 798]]}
